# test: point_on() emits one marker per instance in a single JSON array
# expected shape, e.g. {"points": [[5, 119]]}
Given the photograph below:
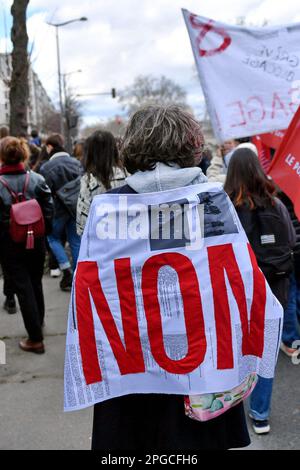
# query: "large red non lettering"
{"points": [[222, 259], [128, 352], [193, 313], [85, 323], [254, 343], [129, 357]]}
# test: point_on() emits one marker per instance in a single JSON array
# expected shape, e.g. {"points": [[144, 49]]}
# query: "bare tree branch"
{"points": [[147, 90]]}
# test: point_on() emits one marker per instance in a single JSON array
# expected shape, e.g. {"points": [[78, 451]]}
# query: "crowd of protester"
{"points": [[64, 185]]}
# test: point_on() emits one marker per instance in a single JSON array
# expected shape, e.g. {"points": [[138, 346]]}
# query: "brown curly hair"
{"points": [[13, 151], [166, 134]]}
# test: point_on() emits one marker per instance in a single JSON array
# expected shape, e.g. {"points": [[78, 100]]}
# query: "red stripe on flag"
{"points": [[285, 167], [264, 153], [272, 139]]}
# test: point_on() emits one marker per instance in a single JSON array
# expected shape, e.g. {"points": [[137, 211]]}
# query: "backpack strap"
{"points": [[11, 192], [26, 184], [17, 197]]}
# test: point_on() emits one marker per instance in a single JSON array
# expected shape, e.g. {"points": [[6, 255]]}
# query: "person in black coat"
{"points": [[24, 267], [58, 171]]}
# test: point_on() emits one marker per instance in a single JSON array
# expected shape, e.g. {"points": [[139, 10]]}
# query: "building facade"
{"points": [[39, 104]]}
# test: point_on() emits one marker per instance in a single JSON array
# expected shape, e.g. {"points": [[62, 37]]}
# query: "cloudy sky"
{"points": [[125, 38]]}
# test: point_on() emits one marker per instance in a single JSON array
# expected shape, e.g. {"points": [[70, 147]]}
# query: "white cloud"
{"points": [[125, 38]]}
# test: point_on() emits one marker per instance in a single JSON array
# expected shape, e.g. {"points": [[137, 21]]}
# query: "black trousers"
{"points": [[8, 288], [25, 269]]}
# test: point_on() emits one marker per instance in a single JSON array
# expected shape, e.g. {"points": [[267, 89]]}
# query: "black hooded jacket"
{"points": [[58, 171]]}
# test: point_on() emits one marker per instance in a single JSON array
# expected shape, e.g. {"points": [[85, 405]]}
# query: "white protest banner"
{"points": [[249, 76], [167, 298]]}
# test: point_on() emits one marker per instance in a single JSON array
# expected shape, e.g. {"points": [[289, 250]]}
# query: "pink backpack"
{"points": [[26, 217]]}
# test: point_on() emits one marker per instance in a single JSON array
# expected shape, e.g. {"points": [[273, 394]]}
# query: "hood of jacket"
{"points": [[165, 177], [59, 154]]}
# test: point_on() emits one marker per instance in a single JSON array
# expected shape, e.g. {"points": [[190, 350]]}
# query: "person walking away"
{"points": [[102, 172], [24, 266], [10, 302], [270, 231], [52, 262], [35, 138], [162, 150], [291, 335], [60, 171]]}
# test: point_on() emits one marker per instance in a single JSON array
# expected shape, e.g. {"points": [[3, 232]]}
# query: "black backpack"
{"points": [[269, 238], [68, 195]]}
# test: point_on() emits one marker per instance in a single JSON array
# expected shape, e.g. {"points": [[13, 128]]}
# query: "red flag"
{"points": [[285, 167], [273, 139], [264, 153]]}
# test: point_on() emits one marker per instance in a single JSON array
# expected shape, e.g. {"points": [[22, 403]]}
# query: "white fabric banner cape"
{"points": [[250, 76], [167, 298]]}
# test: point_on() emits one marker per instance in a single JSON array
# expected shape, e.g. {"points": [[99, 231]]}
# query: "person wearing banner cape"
{"points": [[162, 148], [171, 319]]}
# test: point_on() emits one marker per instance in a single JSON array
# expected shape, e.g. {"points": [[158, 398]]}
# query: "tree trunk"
{"points": [[19, 89]]}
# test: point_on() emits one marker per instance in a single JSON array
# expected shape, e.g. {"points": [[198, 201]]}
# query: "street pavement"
{"points": [[31, 391]]}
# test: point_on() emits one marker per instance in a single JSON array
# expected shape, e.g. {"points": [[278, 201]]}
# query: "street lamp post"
{"points": [[59, 82], [65, 75], [57, 26]]}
